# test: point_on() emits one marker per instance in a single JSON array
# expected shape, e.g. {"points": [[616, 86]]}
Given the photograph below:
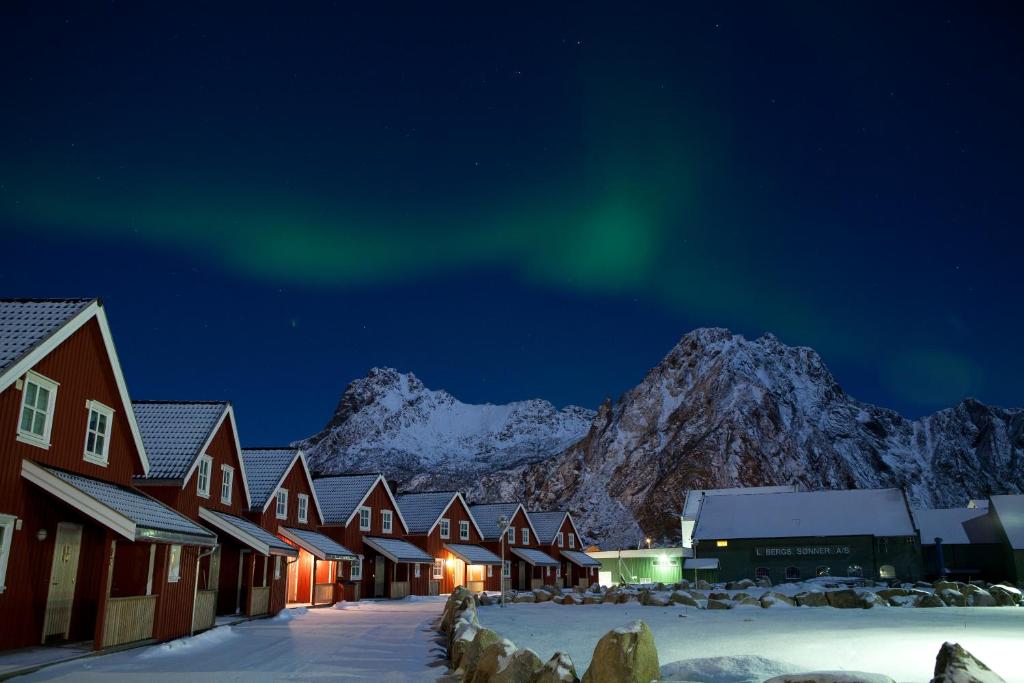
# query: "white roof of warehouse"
{"points": [[856, 512], [955, 526], [1010, 510]]}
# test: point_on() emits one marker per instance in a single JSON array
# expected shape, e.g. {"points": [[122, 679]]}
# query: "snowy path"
{"points": [[895, 641], [379, 641]]}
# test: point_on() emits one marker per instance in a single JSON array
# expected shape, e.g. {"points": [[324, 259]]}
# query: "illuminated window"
{"points": [[722, 544], [438, 568], [490, 570], [97, 432], [277, 567], [37, 403], [887, 571], [792, 573]]}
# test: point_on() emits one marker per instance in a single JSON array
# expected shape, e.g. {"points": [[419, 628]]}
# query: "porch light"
{"points": [[41, 535]]}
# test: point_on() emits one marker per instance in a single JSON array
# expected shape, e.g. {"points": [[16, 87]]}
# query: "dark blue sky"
{"points": [[533, 203]]}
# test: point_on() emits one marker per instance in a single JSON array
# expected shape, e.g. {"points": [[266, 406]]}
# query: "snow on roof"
{"points": [[694, 497], [700, 563], [340, 495], [27, 323], [1010, 511], [633, 553], [855, 512], [534, 557], [145, 512], [580, 559], [954, 526], [174, 433], [265, 468], [486, 517], [421, 510], [323, 547], [245, 531], [397, 550], [547, 524], [473, 554]]}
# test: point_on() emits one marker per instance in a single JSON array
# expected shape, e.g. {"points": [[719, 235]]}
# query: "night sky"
{"points": [[536, 203]]}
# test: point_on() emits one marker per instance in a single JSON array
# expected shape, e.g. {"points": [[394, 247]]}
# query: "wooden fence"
{"points": [[323, 593], [399, 589], [128, 619], [205, 613], [260, 600]]}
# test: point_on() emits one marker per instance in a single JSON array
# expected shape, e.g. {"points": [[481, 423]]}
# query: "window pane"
{"points": [[42, 398], [30, 394], [93, 415], [103, 423], [39, 424], [99, 445], [90, 443], [26, 419]]}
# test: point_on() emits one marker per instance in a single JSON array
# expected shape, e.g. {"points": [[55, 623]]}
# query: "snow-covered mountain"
{"points": [[389, 422], [720, 411]]}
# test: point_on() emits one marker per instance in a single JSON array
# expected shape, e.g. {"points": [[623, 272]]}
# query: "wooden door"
{"points": [[213, 580], [522, 575], [293, 581], [242, 591], [380, 578], [63, 575]]}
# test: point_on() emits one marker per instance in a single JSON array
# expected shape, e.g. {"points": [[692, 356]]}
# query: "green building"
{"points": [[796, 535], [646, 565]]}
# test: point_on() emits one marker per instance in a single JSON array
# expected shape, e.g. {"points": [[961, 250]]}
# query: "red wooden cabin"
{"points": [[198, 470], [83, 556], [284, 503], [441, 524], [527, 566], [561, 540], [361, 514]]}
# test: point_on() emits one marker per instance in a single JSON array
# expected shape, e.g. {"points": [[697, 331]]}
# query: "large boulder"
{"points": [[652, 599], [625, 655], [558, 669], [956, 665], [888, 593], [776, 599], [483, 639], [541, 595], [739, 585], [929, 600], [981, 598], [594, 588], [832, 677], [458, 601], [592, 599], [720, 604], [524, 597], [1005, 595], [702, 585], [952, 597], [940, 586], [522, 667], [492, 659], [872, 599], [719, 595], [845, 599], [463, 636], [681, 597], [811, 599]]}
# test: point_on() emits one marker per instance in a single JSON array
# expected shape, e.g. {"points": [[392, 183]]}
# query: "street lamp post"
{"points": [[503, 524]]}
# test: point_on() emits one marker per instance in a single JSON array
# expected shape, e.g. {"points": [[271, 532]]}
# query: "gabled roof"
{"points": [[855, 512], [547, 524], [1010, 511], [423, 511], [486, 516], [398, 550], [31, 328], [128, 512], [176, 433], [955, 526], [342, 495], [267, 469]]}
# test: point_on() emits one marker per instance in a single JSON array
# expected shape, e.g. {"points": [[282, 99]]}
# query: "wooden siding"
{"points": [[174, 613], [455, 569], [518, 522], [295, 482], [260, 601]]}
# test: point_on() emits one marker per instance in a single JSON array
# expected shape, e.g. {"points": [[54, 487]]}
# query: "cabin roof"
{"points": [[547, 524], [26, 323], [176, 432]]}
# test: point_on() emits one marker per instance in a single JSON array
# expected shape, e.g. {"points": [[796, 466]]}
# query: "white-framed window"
{"points": [[277, 567], [97, 432], [446, 528], [356, 570], [490, 570], [364, 519], [38, 398], [559, 539], [438, 571], [385, 521], [174, 564], [6, 539], [227, 480], [506, 570], [572, 540], [464, 531], [558, 571], [512, 535], [416, 570], [303, 507], [203, 476], [526, 535], [282, 504], [792, 573]]}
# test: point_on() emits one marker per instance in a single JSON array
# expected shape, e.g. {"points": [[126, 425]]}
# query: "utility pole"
{"points": [[503, 524]]}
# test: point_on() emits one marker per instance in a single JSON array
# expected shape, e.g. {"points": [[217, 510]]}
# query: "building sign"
{"points": [[801, 550]]}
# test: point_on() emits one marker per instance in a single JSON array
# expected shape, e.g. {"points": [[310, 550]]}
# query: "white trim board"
{"points": [[78, 499]]}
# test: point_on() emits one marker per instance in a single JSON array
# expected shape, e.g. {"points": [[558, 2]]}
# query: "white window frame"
{"points": [[7, 524], [173, 564], [201, 490], [282, 502], [525, 532], [490, 570], [463, 530], [558, 570], [29, 436], [277, 567], [511, 535], [355, 570], [368, 517], [437, 572], [227, 482], [387, 521], [572, 540], [416, 570], [303, 507], [506, 569], [560, 538], [97, 457], [445, 526]]}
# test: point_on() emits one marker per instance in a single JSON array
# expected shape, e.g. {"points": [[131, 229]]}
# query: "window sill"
{"points": [[225, 502], [280, 517], [95, 459], [203, 495], [33, 440]]}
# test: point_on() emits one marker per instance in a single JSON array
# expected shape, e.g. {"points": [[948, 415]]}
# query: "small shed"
{"points": [[640, 565]]}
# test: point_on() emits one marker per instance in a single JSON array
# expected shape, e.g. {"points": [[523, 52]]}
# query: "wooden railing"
{"points": [[536, 583], [260, 600], [205, 610], [323, 593], [128, 619], [399, 589], [475, 586]]}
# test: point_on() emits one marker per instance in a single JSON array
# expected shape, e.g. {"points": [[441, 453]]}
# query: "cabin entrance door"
{"points": [[63, 574], [242, 590], [522, 575], [379, 577], [293, 581]]}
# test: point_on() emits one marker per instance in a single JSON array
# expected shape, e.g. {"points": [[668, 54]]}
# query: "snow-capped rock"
{"points": [[389, 421]]}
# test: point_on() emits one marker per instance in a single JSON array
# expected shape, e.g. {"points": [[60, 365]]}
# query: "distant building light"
{"points": [[722, 544]]}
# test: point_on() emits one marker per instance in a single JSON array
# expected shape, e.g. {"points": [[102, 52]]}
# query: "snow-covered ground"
{"points": [[753, 644], [378, 641]]}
